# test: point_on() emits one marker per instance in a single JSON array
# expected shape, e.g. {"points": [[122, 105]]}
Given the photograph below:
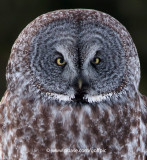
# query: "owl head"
{"points": [[73, 55]]}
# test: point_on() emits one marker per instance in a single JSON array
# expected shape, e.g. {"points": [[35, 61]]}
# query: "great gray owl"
{"points": [[72, 91]]}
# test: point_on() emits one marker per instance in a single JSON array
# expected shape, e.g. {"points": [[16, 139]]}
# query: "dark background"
{"points": [[16, 14]]}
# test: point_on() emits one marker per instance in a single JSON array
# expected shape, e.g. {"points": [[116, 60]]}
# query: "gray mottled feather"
{"points": [[40, 111]]}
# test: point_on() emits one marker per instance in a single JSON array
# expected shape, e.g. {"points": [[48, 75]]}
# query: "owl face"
{"points": [[77, 59]]}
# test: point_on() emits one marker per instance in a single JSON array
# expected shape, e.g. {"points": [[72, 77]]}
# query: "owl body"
{"points": [[72, 93]]}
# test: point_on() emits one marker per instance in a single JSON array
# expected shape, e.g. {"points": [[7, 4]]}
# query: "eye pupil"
{"points": [[96, 60], [60, 61]]}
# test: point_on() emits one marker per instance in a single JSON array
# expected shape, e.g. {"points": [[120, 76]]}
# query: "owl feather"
{"points": [[72, 91]]}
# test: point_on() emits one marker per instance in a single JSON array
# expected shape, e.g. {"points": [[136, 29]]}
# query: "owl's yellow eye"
{"points": [[96, 60], [60, 61]]}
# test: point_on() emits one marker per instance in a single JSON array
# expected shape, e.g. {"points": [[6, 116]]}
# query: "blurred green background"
{"points": [[16, 14]]}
